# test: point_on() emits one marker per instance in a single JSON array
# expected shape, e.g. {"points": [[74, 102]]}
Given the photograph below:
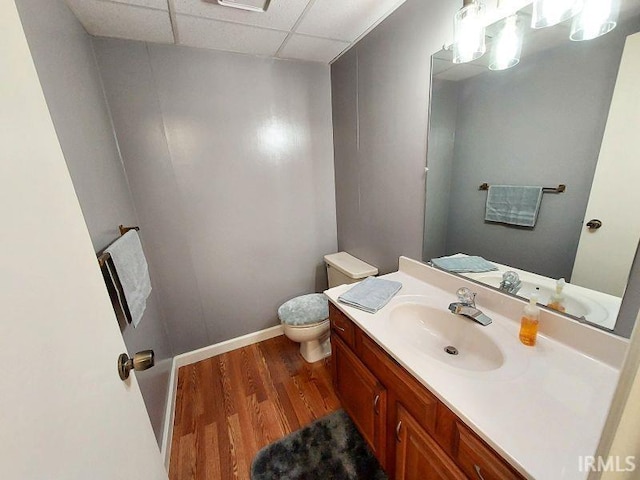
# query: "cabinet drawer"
{"points": [[342, 325], [477, 460]]}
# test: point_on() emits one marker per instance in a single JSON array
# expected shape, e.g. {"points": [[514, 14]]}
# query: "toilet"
{"points": [[305, 319]]}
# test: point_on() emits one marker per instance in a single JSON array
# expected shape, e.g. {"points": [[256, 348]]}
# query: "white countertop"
{"points": [[542, 410]]}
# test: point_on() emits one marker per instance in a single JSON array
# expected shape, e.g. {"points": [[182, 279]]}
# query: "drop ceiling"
{"points": [[314, 30]]}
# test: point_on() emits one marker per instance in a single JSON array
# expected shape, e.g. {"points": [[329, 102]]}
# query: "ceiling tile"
{"points": [[157, 4], [232, 37], [118, 20], [345, 20], [281, 14], [312, 48]]}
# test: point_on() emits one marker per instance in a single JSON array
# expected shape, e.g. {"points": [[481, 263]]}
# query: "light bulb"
{"points": [[597, 18], [507, 46], [547, 13], [469, 32]]}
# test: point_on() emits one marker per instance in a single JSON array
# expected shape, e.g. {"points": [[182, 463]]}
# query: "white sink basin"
{"points": [[431, 330]]}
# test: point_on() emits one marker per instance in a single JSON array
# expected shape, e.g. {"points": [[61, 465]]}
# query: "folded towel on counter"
{"points": [[464, 264], [371, 294], [513, 205], [133, 272]]}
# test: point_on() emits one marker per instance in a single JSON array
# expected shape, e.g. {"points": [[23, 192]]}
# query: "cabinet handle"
{"points": [[375, 404], [398, 427], [338, 327], [478, 472]]}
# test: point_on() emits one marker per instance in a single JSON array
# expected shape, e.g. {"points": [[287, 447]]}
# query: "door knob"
{"points": [[140, 361], [594, 224]]}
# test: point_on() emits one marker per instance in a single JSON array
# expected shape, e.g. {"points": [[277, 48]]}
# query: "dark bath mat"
{"points": [[329, 449]]}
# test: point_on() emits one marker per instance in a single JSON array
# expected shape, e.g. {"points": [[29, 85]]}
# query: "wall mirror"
{"points": [[560, 116]]}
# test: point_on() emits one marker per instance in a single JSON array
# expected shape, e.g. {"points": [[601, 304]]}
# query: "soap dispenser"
{"points": [[557, 299], [529, 322]]}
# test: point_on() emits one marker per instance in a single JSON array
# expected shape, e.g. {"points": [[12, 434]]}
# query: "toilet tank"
{"points": [[344, 268]]}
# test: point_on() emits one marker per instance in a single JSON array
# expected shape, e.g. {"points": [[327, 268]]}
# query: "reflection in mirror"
{"points": [[563, 115]]}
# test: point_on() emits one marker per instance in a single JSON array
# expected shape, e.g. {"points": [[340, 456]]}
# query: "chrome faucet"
{"points": [[466, 306], [510, 282]]}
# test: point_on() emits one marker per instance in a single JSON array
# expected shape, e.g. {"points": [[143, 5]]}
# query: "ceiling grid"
{"points": [[312, 30]]}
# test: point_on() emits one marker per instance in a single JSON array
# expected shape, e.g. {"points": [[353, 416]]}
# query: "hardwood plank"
{"points": [[286, 419], [208, 466], [258, 424], [276, 365], [187, 457], [187, 419], [288, 415], [204, 382], [274, 429], [310, 395], [241, 459], [225, 380], [218, 408], [251, 377], [300, 404], [230, 406]]}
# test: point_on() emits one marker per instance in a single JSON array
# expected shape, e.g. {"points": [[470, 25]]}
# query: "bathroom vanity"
{"points": [[496, 410], [412, 433]]}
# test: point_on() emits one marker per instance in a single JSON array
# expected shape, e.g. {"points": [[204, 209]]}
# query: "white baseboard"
{"points": [[169, 414], [196, 356]]}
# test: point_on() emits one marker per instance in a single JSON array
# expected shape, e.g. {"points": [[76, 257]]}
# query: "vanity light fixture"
{"points": [[547, 13], [507, 45], [469, 32], [597, 18]]}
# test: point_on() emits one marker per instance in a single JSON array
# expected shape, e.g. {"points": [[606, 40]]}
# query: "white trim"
{"points": [[169, 415], [233, 344], [196, 356]]}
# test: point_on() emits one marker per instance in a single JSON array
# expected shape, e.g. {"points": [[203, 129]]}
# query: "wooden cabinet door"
{"points": [[361, 395], [418, 456]]}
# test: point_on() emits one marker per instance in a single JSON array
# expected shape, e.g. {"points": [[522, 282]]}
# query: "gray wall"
{"points": [[380, 94], [442, 139], [66, 66], [540, 123], [230, 163]]}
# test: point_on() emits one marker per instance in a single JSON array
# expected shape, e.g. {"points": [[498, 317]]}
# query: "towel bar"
{"points": [[559, 189], [102, 258], [124, 229], [116, 294]]}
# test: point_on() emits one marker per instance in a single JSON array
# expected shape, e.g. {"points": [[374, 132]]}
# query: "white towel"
{"points": [[133, 272]]}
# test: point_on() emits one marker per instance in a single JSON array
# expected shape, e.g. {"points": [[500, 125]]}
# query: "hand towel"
{"points": [[513, 205], [133, 272], [464, 264], [371, 294]]}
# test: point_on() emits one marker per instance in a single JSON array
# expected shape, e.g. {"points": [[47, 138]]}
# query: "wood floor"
{"points": [[230, 406]]}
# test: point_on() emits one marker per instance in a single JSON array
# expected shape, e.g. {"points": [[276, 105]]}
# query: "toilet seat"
{"points": [[305, 310]]}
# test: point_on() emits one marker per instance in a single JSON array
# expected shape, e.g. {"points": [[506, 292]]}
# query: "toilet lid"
{"points": [[305, 309]]}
